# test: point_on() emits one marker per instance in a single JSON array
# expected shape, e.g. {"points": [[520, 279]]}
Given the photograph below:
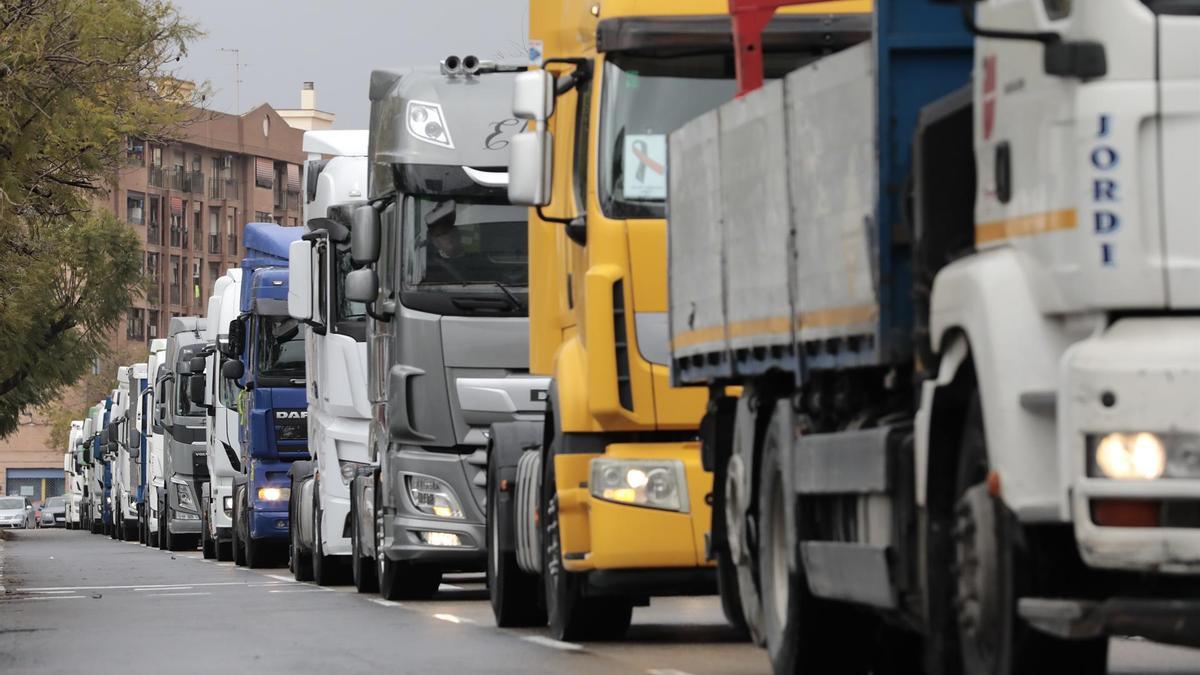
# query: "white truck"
{"points": [[339, 412], [153, 485], [954, 269], [124, 511], [73, 475], [219, 398]]}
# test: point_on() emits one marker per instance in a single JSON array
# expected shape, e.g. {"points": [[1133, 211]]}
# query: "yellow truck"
{"points": [[606, 502]]}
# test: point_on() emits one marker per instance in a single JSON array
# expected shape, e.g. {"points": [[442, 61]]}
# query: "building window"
{"points": [[197, 282], [135, 328], [197, 227], [154, 224], [214, 230], [152, 266], [231, 232], [135, 208], [177, 224], [135, 150], [263, 217], [214, 273], [264, 172], [152, 326], [176, 279]]}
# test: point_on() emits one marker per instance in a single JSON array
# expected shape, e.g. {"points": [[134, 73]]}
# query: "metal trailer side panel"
{"points": [[694, 249], [755, 213], [834, 175]]}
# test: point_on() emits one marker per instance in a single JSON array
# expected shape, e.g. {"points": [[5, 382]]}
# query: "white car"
{"points": [[16, 512]]}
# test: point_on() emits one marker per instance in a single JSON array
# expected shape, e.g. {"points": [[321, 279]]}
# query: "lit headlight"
{"points": [[433, 496], [649, 483], [274, 494], [1144, 456], [227, 505], [183, 495], [350, 469], [426, 122]]}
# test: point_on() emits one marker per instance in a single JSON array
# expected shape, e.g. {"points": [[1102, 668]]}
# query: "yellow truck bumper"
{"points": [[598, 534]]}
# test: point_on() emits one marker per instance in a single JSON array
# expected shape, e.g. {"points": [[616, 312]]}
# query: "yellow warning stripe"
{"points": [[821, 318], [1038, 223]]}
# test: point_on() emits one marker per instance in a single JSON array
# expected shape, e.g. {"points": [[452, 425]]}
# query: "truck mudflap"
{"points": [[1171, 621]]}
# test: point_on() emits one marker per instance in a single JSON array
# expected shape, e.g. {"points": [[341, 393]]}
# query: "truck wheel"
{"points": [[162, 524], [992, 568], [362, 568], [239, 551], [572, 616], [803, 634], [298, 559], [327, 570], [208, 545], [514, 593]]}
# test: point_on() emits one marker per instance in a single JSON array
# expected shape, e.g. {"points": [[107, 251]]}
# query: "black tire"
{"points": [[992, 567], [803, 634], [401, 580], [162, 524], [239, 551], [569, 614], [224, 551], [362, 568], [299, 560], [513, 592], [327, 570]]}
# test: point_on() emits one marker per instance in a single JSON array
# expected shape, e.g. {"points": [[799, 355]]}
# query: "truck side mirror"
{"points": [[233, 370], [196, 388], [531, 160], [299, 295], [364, 236], [362, 285], [530, 167], [135, 438], [197, 364], [533, 95], [237, 335]]}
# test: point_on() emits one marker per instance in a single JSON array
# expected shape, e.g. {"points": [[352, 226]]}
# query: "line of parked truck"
{"points": [[899, 360]]}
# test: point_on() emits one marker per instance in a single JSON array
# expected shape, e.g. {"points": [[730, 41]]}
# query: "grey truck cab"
{"points": [[445, 276], [185, 459]]}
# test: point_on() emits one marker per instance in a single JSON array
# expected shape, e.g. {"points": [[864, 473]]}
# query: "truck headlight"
{"points": [[426, 122], [183, 496], [651, 483], [433, 496], [227, 505], [1143, 455], [350, 469], [274, 494]]}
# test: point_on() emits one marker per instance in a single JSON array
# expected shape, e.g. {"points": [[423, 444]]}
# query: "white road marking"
{"points": [[51, 597], [103, 588], [386, 603], [451, 618], [53, 592], [299, 590], [552, 643], [280, 577], [266, 583], [666, 671], [172, 595], [164, 588]]}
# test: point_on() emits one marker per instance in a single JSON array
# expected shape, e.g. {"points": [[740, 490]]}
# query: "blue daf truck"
{"points": [[266, 348]]}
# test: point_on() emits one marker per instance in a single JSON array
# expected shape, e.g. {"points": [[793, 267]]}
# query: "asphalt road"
{"points": [[74, 602]]}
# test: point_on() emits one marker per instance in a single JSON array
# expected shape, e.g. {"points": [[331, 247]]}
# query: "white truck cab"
{"points": [[73, 476], [335, 179], [220, 403]]}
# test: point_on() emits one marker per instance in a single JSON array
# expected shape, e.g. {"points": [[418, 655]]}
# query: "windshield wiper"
{"points": [[507, 293]]}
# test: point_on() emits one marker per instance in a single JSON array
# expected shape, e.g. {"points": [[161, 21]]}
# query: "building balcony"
{"points": [[214, 243], [195, 182], [175, 294], [154, 234], [157, 177]]}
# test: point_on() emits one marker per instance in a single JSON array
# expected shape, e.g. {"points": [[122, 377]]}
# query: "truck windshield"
{"points": [[644, 99], [280, 347], [452, 244]]}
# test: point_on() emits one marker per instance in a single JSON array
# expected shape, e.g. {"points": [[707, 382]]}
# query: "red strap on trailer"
{"points": [[750, 17]]}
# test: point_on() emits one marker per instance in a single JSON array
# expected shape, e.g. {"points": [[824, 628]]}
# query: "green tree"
{"points": [[76, 80]]}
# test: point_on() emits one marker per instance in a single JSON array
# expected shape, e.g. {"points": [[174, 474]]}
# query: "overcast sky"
{"points": [[283, 43]]}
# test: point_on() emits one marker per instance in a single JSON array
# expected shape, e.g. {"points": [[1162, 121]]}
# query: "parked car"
{"points": [[16, 512], [54, 513]]}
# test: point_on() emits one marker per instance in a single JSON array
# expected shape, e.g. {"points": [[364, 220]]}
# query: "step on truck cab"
{"points": [[335, 346], [219, 398], [73, 476], [266, 350], [447, 283], [153, 486], [611, 505], [185, 449], [953, 268]]}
